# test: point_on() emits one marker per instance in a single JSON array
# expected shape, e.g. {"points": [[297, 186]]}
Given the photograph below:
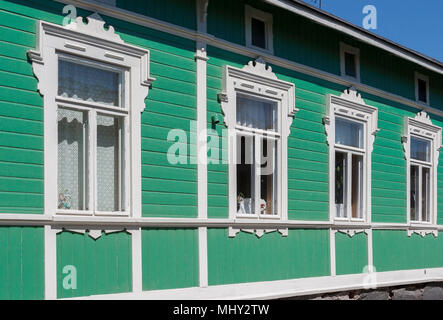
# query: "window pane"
{"points": [[110, 164], [349, 133], [350, 65], [256, 114], [340, 184], [425, 195], [87, 83], [258, 37], [357, 186], [414, 192], [268, 178], [420, 149], [422, 91], [245, 175], [72, 170]]}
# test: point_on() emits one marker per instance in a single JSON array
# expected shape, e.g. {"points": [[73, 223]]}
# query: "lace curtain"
{"points": [[349, 133], [108, 159], [71, 160], [256, 114], [86, 83]]}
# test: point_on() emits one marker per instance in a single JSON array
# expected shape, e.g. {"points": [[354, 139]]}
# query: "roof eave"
{"points": [[331, 21]]}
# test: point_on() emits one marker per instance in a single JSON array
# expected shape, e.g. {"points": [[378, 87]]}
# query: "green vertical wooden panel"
{"points": [[169, 258], [103, 265], [246, 258], [351, 253], [21, 263], [394, 250]]}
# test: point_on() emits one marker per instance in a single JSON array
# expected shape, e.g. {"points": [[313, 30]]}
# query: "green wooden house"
{"points": [[171, 149]]}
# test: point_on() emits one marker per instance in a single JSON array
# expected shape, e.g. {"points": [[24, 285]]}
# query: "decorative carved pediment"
{"points": [[94, 27]]}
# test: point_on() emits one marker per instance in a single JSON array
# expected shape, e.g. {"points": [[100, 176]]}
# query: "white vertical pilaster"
{"points": [[136, 238], [332, 250], [370, 254], [202, 173], [203, 256], [50, 263]]}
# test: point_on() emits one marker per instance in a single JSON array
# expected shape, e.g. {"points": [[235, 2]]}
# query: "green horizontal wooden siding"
{"points": [[246, 258], [102, 266], [178, 12], [168, 190], [351, 253], [169, 258], [303, 41], [22, 263], [21, 107]]}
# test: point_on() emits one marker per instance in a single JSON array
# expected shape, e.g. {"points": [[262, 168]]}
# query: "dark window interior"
{"points": [[422, 91], [350, 65], [258, 36]]}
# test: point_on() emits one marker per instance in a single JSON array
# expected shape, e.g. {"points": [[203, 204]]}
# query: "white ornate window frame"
{"points": [[419, 76], [345, 48], [421, 126], [94, 42], [266, 17], [350, 105], [257, 80]]}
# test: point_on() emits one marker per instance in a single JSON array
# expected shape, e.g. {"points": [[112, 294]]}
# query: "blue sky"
{"points": [[416, 24]]}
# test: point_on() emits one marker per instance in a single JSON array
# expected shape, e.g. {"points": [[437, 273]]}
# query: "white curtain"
{"points": [[108, 159], [86, 83], [70, 160], [349, 133], [420, 149], [256, 114]]}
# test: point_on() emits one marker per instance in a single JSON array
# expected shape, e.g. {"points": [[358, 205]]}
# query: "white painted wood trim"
{"points": [[142, 20], [201, 134], [417, 76], [203, 256], [345, 48], [332, 252], [120, 223], [421, 125], [285, 288], [97, 44], [351, 105], [266, 17], [258, 80], [137, 271], [370, 249], [50, 263]]}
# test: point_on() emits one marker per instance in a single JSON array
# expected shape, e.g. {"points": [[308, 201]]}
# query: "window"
{"points": [[258, 142], [422, 141], [349, 160], [258, 29], [92, 158], [259, 111], [94, 86], [349, 62], [351, 126], [421, 88]]}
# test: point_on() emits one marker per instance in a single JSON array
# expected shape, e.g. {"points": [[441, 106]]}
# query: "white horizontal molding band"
{"points": [[8, 219], [139, 19], [287, 288]]}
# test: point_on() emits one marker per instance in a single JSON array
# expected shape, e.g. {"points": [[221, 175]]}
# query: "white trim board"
{"points": [[9, 219], [132, 17], [285, 288]]}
